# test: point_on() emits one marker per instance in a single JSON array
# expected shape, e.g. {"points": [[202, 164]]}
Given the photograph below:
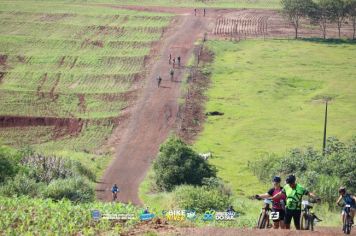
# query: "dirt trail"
{"points": [[154, 114]]}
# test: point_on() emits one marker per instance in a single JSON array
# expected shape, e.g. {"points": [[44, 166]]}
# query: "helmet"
{"points": [[290, 179], [276, 179], [342, 189]]}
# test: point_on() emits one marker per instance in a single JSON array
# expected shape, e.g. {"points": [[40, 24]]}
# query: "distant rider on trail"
{"points": [[114, 191], [171, 72], [159, 80]]}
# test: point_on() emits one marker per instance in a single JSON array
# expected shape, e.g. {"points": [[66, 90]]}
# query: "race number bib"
{"points": [[274, 215]]}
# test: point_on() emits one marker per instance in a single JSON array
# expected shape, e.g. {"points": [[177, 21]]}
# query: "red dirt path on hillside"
{"points": [[154, 114]]}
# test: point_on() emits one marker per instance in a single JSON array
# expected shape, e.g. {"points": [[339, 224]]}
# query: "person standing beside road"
{"points": [[195, 12], [294, 193], [204, 11]]}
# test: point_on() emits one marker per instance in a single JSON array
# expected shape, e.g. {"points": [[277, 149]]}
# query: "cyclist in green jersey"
{"points": [[294, 193]]}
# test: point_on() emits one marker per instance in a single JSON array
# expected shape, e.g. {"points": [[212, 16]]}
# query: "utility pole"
{"points": [[325, 123]]}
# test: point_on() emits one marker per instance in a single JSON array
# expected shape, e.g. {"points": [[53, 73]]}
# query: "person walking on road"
{"points": [[171, 72], [174, 62], [170, 58], [195, 12], [178, 61], [159, 79], [204, 11]]}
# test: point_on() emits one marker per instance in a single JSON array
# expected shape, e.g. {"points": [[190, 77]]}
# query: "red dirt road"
{"points": [[154, 114]]}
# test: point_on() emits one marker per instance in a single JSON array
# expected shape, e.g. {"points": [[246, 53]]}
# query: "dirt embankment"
{"points": [[191, 114], [65, 125]]}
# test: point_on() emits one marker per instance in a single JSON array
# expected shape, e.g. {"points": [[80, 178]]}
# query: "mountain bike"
{"points": [[347, 222], [308, 218], [264, 218], [114, 196]]}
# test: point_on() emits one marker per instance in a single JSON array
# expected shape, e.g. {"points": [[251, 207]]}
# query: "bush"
{"points": [[8, 163], [201, 198], [322, 174], [178, 164], [48, 168], [76, 189], [21, 185]]}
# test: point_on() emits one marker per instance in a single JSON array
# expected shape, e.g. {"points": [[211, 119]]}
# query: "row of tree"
{"points": [[320, 12]]}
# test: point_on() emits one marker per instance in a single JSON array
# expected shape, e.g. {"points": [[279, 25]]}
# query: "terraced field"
{"points": [[67, 72]]}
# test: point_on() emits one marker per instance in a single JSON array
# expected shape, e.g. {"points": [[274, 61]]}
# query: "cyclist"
{"points": [[294, 193], [178, 58], [171, 72], [348, 200], [114, 191], [278, 202], [159, 80]]}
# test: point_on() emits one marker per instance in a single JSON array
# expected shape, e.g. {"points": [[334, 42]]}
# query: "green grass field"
{"points": [[73, 60], [270, 93]]}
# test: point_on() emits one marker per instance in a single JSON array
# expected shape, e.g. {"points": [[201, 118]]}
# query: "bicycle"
{"points": [[114, 197], [308, 218], [347, 222], [264, 218]]}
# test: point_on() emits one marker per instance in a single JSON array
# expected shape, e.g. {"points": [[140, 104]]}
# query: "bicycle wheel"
{"points": [[348, 224], [311, 222], [259, 221], [304, 221], [262, 221]]}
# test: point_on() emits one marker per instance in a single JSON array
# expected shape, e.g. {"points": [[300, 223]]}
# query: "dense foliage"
{"points": [[27, 216], [8, 163], [35, 175], [322, 174], [201, 198], [178, 164]]}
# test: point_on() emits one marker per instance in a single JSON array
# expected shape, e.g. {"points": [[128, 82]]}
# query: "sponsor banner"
{"points": [[224, 216]]}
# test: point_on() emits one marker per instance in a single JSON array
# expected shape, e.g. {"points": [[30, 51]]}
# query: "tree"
{"points": [[321, 13], [351, 13], [294, 10], [338, 13], [178, 164]]}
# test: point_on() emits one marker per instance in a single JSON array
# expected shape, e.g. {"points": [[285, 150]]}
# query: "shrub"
{"points": [[8, 163], [323, 174], [201, 198], [76, 189], [178, 164], [21, 185], [48, 168]]}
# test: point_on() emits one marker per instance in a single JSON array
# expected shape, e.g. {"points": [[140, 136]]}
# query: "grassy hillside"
{"points": [[68, 61], [270, 93]]}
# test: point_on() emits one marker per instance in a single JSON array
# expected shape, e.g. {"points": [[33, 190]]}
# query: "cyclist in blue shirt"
{"points": [[348, 200], [114, 191]]}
